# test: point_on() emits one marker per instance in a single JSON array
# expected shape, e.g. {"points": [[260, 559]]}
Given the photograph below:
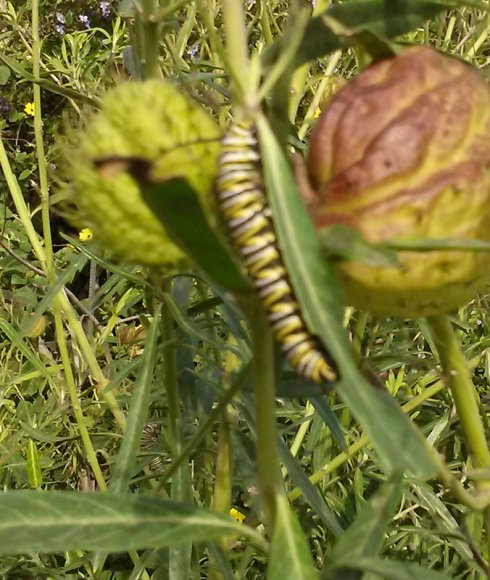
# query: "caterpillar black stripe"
{"points": [[149, 438], [241, 196]]}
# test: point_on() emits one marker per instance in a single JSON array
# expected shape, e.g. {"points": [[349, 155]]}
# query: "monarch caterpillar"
{"points": [[149, 438], [242, 199]]}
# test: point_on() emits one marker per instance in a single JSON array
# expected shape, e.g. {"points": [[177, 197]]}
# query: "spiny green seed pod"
{"points": [[154, 121], [403, 152]]}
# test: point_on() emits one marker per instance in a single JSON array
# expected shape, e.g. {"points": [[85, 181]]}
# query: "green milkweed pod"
{"points": [[154, 121], [403, 152]]}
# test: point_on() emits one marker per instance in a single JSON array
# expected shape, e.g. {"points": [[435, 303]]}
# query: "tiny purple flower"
{"points": [[194, 50], [60, 29], [60, 18], [84, 20], [105, 10], [4, 105]]}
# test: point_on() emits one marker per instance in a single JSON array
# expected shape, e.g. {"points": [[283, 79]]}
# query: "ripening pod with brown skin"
{"points": [[403, 152]]}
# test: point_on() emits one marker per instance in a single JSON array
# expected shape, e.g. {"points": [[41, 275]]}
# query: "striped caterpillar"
{"points": [[242, 199]]}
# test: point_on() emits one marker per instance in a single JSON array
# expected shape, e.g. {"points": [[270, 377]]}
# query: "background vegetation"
{"points": [[84, 358]]}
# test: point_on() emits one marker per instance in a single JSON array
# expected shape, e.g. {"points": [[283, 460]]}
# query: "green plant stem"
{"points": [[151, 39], [91, 359], [318, 95], [270, 481], [444, 473], [179, 556], [236, 48], [61, 300], [223, 477], [170, 373], [38, 135], [75, 402], [265, 22], [223, 483], [21, 207], [215, 48], [458, 378], [199, 435]]}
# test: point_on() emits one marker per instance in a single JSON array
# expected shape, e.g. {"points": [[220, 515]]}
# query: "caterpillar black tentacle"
{"points": [[242, 199]]}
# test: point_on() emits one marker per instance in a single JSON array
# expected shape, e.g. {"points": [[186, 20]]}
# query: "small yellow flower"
{"points": [[85, 235], [317, 113], [236, 515], [29, 109]]}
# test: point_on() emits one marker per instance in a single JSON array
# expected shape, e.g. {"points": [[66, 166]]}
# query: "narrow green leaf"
{"points": [[444, 520], [47, 84], [344, 243], [18, 342], [330, 419], [366, 534], [4, 75], [37, 521], [385, 18], [65, 277], [290, 556], [400, 446], [33, 467], [427, 245], [193, 329], [140, 401], [310, 492], [176, 205], [391, 569], [42, 434]]}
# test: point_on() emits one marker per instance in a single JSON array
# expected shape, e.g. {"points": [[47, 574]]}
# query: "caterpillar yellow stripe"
{"points": [[242, 199]]}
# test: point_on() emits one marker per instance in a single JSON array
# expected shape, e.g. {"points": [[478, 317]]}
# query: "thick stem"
{"points": [[151, 39], [170, 373], [460, 493], [270, 481], [236, 47], [458, 378]]}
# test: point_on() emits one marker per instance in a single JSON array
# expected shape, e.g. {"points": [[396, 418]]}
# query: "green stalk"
{"points": [[91, 360], [265, 22], [223, 471], [170, 372], [236, 48], [458, 378], [179, 556], [21, 207], [75, 402], [216, 53], [38, 135], [466, 400], [318, 94], [68, 312], [223, 484], [151, 39], [444, 473], [269, 474]]}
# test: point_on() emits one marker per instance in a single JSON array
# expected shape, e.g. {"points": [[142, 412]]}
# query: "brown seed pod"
{"points": [[403, 152]]}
